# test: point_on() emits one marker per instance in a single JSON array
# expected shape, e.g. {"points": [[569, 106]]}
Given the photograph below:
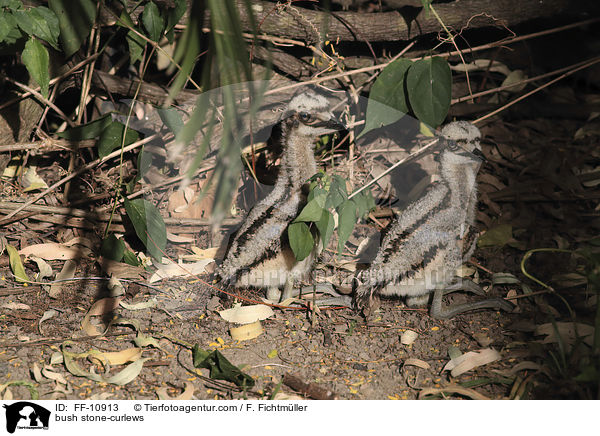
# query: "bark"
{"points": [[304, 24], [307, 25]]}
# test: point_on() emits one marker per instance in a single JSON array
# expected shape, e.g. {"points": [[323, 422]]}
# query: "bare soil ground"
{"points": [[528, 182]]}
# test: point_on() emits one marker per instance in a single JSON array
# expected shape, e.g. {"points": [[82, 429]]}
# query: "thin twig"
{"points": [[539, 88], [52, 82], [413, 156], [521, 82], [82, 170], [443, 55], [41, 98]]}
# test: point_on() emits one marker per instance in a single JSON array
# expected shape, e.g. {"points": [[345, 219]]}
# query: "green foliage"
{"points": [[429, 88], [33, 24], [40, 22], [153, 22], [87, 131], [112, 248], [135, 40], [18, 22], [35, 58], [301, 240], [111, 138], [327, 194], [171, 117], [220, 368], [148, 224], [387, 99], [75, 19], [423, 86]]}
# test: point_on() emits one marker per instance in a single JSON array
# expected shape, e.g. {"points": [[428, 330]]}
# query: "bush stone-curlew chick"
{"points": [[434, 235], [260, 255]]}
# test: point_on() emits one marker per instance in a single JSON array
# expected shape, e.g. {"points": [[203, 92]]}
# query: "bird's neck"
{"points": [[298, 160], [461, 181]]}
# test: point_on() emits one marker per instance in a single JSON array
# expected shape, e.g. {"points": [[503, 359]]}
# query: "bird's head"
{"points": [[309, 114], [462, 143]]}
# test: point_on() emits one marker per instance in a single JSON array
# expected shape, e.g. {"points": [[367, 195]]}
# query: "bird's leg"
{"points": [[437, 311], [287, 288], [273, 294]]}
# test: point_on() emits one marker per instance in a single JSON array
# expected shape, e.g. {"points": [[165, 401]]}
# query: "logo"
{"points": [[26, 415]]}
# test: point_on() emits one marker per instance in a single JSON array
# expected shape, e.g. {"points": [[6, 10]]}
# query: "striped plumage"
{"points": [[259, 255], [434, 235]]}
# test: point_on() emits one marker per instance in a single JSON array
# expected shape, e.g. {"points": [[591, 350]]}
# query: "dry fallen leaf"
{"points": [[67, 272], [52, 251], [186, 395], [567, 331], [100, 307], [179, 270], [470, 360], [408, 337], [247, 314], [118, 357], [246, 332], [16, 306], [416, 362], [453, 389]]}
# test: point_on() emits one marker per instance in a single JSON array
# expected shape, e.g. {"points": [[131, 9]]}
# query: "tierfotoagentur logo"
{"points": [[26, 415]]}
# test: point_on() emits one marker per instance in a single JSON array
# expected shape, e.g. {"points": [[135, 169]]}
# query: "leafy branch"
{"points": [[327, 198]]}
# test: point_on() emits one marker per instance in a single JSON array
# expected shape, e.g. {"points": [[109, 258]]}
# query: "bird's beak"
{"points": [[332, 124], [477, 152]]}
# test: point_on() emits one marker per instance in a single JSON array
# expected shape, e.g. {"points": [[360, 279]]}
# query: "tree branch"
{"points": [[294, 22]]}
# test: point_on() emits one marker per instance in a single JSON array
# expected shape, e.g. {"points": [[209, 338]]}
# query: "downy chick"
{"points": [[260, 255], [434, 235]]}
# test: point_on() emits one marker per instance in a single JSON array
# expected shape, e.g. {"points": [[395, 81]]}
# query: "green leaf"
{"points": [[318, 194], [87, 131], [75, 19], [25, 21], [311, 212], [149, 225], [496, 237], [16, 265], [220, 368], [152, 21], [144, 163], [361, 205], [301, 240], [112, 248], [136, 46], [337, 192], [387, 99], [173, 17], [346, 222], [12, 5], [45, 25], [130, 258], [429, 86], [36, 59], [112, 138], [325, 225], [171, 117], [364, 203], [8, 25]]}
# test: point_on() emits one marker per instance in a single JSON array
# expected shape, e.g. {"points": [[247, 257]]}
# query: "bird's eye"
{"points": [[304, 116]]}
